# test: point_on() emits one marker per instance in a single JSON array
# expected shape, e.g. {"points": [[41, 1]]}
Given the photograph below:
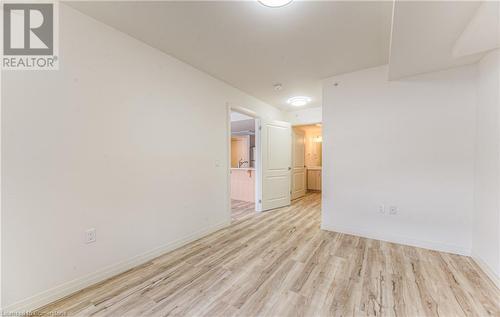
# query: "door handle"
{"points": [[289, 168]]}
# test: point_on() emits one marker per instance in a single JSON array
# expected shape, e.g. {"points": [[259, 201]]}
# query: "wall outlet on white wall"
{"points": [[393, 210], [90, 235]]}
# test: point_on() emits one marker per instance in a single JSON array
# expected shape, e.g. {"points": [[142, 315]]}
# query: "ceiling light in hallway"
{"points": [[298, 101], [275, 3]]}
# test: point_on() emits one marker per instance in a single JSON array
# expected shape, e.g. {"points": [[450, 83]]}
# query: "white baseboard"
{"points": [[437, 246], [75, 285], [487, 270]]}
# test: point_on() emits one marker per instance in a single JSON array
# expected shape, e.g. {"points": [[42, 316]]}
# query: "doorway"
{"points": [[243, 166], [307, 141], [260, 163]]}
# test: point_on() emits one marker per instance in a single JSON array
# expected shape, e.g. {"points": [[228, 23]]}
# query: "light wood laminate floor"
{"points": [[241, 210], [280, 263]]}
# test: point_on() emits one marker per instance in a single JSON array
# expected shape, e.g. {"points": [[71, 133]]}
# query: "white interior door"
{"points": [[276, 151], [298, 164]]}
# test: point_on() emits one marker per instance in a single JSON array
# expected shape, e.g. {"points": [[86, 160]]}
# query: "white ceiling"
{"points": [[424, 35], [252, 47], [482, 34]]}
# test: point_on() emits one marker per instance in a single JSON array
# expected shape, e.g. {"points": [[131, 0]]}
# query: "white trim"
{"points": [[487, 270], [228, 161], [432, 245], [68, 288], [1, 172], [244, 111], [258, 165]]}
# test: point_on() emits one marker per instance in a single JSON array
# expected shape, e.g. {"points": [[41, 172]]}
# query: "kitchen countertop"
{"points": [[314, 168]]}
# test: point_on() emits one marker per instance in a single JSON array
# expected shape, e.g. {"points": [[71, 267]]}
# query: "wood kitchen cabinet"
{"points": [[314, 179], [243, 184], [240, 151]]}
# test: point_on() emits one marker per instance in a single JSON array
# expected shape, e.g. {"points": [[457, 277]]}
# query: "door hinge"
{"points": [[260, 201], [260, 127]]}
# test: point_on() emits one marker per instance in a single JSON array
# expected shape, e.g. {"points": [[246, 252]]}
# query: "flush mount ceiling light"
{"points": [[275, 3], [298, 101]]}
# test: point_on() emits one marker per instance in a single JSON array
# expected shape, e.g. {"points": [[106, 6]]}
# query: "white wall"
{"points": [[486, 230], [124, 139], [304, 116], [407, 143]]}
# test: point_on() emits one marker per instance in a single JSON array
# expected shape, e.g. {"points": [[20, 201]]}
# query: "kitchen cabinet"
{"points": [[243, 184], [240, 151], [314, 179]]}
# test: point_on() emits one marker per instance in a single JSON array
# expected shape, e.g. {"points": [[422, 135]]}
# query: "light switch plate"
{"points": [[90, 235]]}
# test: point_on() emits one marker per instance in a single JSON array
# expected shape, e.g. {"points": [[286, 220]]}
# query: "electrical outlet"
{"points": [[90, 236], [393, 210], [381, 209]]}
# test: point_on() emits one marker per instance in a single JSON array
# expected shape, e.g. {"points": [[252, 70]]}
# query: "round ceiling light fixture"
{"points": [[274, 3], [298, 101]]}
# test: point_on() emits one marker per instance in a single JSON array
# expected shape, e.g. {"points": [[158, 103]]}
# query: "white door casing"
{"points": [[298, 164], [275, 144]]}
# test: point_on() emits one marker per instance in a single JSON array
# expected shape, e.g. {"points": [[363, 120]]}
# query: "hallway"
{"points": [[279, 263]]}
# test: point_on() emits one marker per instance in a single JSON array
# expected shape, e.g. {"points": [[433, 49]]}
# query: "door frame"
{"points": [[292, 180], [258, 155], [322, 158]]}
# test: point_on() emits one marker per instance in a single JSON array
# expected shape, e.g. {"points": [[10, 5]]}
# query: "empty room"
{"points": [[250, 158]]}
